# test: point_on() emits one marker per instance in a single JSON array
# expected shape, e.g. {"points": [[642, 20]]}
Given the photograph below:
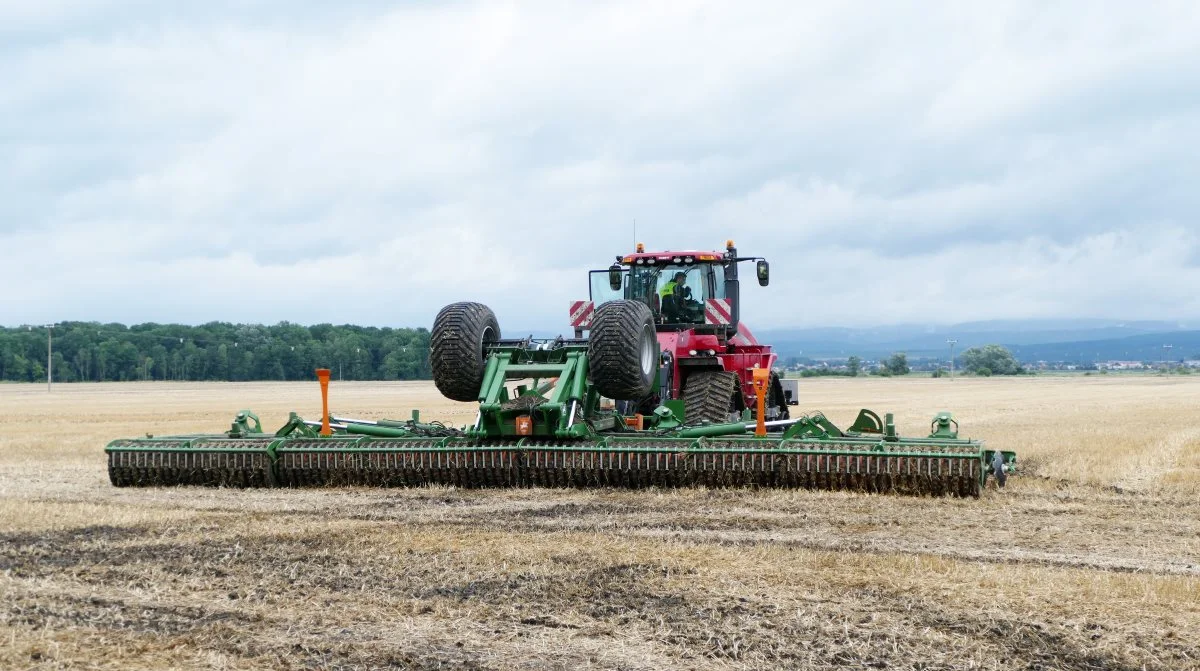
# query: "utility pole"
{"points": [[951, 342], [1166, 351]]}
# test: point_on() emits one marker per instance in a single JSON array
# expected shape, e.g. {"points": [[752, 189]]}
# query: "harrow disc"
{"points": [[210, 462], [950, 469]]}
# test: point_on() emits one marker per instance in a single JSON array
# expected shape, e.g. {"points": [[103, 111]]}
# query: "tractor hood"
{"points": [[683, 341]]}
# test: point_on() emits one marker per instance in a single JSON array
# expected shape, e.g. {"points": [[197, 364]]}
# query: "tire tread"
{"points": [[709, 396], [456, 349], [614, 350]]}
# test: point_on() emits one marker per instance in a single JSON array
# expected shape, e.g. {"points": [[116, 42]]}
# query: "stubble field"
{"points": [[1089, 560]]}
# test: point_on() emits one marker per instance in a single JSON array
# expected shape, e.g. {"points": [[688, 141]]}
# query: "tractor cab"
{"points": [[688, 302], [675, 293], [692, 290]]}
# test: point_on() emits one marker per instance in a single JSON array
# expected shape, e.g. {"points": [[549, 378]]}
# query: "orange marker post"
{"points": [[762, 377], [323, 378]]}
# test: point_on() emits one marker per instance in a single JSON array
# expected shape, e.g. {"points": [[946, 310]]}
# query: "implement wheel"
{"points": [[623, 350], [775, 397], [998, 469], [460, 333], [713, 396]]}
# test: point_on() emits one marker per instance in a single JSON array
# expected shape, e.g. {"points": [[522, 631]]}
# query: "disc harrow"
{"points": [[558, 432], [203, 461], [635, 462]]}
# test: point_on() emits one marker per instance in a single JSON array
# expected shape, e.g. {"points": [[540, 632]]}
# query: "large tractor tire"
{"points": [[623, 350], [711, 396], [456, 354]]}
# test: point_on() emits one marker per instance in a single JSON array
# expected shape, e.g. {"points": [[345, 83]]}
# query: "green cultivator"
{"points": [[543, 422]]}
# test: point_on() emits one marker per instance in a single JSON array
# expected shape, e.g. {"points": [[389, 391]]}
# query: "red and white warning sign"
{"points": [[581, 313], [718, 311]]}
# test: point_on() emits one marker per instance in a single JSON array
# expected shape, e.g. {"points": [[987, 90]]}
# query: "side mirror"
{"points": [[764, 273], [614, 277]]}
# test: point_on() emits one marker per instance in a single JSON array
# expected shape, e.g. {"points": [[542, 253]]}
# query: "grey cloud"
{"points": [[379, 161]]}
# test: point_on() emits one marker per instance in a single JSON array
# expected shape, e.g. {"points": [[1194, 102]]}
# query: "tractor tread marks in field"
{"points": [[615, 349], [710, 396], [456, 354]]}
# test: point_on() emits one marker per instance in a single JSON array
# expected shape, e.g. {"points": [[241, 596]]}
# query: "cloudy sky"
{"points": [[897, 162]]}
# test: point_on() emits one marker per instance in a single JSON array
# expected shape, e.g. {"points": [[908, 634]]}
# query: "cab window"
{"points": [[679, 304]]}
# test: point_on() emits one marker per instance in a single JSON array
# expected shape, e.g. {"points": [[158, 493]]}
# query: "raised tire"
{"points": [[456, 351], [623, 350], [711, 396]]}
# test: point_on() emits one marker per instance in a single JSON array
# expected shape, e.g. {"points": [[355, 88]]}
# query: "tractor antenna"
{"points": [[635, 238]]}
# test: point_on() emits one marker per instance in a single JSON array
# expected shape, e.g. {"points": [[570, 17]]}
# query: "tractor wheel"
{"points": [[711, 396], [775, 397], [456, 354], [998, 469], [623, 350]]}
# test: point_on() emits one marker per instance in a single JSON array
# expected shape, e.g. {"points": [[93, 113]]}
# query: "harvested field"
{"points": [[1089, 560]]}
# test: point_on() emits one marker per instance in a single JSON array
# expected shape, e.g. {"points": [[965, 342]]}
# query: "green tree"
{"points": [[161, 360], [218, 362], [991, 360], [83, 363], [897, 364], [853, 366]]}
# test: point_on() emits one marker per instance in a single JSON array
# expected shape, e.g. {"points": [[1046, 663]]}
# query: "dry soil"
{"points": [[1090, 559]]}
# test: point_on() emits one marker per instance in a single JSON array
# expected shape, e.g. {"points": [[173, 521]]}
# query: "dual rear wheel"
{"points": [[622, 349], [623, 356]]}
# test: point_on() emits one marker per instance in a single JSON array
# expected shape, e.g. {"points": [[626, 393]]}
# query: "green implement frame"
{"points": [[542, 423]]}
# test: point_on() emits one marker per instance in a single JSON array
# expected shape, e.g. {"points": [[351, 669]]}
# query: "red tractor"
{"points": [[675, 317]]}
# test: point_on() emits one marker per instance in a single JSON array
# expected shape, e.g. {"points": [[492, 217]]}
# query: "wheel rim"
{"points": [[489, 335], [649, 350]]}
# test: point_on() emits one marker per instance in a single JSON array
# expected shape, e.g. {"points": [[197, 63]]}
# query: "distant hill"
{"points": [[1030, 340], [1148, 347]]}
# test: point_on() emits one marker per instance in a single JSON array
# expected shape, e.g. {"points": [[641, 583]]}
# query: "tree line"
{"points": [[984, 361], [95, 352]]}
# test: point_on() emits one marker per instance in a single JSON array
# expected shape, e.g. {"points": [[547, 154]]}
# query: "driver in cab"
{"points": [[673, 296]]}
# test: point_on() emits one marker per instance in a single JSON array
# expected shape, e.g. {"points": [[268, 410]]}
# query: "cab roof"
{"points": [[683, 257]]}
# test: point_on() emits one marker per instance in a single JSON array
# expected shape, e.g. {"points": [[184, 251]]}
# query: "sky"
{"points": [[368, 162]]}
